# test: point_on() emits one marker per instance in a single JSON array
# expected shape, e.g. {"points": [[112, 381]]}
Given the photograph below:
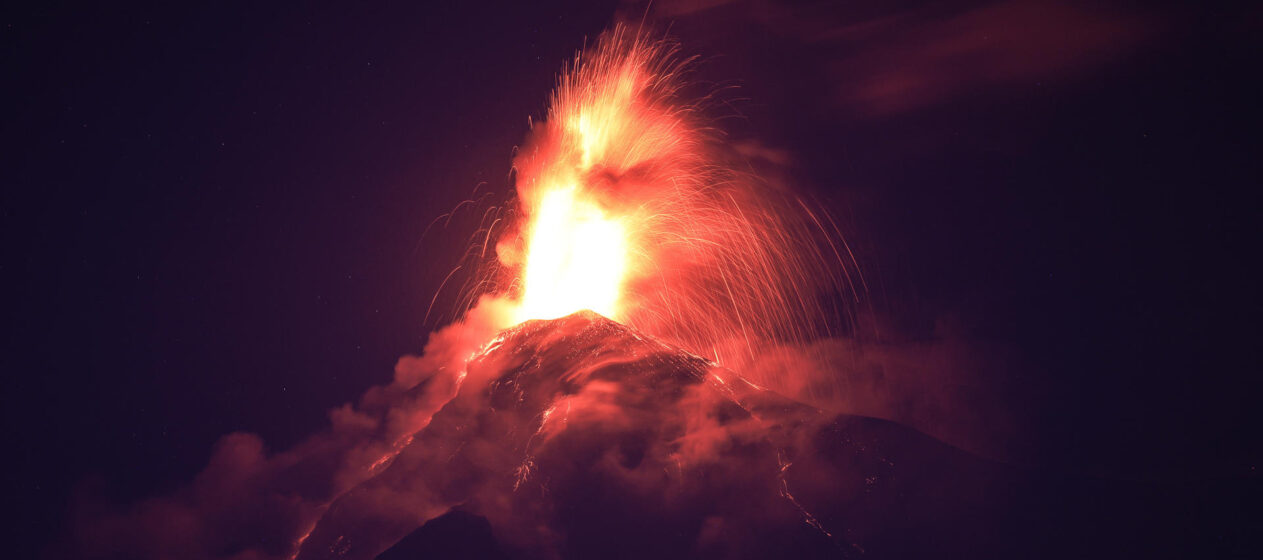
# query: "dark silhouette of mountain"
{"points": [[457, 535]]}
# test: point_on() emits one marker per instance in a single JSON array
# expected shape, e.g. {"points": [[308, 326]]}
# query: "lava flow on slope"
{"points": [[581, 438]]}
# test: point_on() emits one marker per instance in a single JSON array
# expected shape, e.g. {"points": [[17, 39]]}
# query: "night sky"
{"points": [[213, 215]]}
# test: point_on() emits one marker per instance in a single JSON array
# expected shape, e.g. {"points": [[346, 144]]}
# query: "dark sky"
{"points": [[213, 216]]}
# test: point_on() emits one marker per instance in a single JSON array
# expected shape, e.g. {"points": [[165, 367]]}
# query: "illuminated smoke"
{"points": [[249, 503]]}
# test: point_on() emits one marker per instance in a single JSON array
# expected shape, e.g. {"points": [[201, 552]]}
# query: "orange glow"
{"points": [[632, 205]]}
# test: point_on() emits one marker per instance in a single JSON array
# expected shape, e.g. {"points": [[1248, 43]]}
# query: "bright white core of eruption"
{"points": [[577, 258]]}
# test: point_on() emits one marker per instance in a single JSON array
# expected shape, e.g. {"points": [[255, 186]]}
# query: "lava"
{"points": [[631, 207], [634, 207], [577, 258]]}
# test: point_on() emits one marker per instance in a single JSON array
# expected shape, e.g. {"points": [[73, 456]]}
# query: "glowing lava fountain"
{"points": [[631, 206]]}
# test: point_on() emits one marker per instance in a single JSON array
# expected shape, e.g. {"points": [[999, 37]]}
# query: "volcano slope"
{"points": [[580, 438]]}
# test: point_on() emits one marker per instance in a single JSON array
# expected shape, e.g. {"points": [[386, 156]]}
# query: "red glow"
{"points": [[634, 208]]}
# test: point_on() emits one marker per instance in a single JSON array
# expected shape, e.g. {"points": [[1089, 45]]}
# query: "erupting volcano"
{"points": [[638, 248], [730, 279], [593, 402], [591, 425]]}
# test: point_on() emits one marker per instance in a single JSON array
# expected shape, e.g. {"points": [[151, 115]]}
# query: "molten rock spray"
{"points": [[631, 207]]}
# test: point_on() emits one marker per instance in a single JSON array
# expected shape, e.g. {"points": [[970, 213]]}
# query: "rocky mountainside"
{"points": [[580, 438]]}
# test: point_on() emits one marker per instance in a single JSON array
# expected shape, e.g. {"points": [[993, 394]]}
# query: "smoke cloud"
{"points": [[888, 58], [951, 386], [249, 503]]}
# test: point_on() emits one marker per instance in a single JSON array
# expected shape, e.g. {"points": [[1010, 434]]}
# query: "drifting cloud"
{"points": [[882, 59]]}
